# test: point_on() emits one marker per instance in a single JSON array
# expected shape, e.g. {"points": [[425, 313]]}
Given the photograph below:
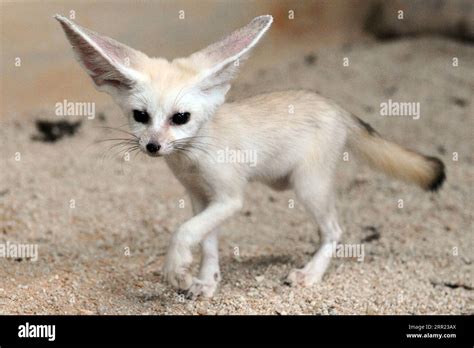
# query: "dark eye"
{"points": [[180, 118], [141, 116]]}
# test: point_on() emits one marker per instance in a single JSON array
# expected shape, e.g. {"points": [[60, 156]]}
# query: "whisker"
{"points": [[121, 146], [119, 130], [193, 146], [114, 139], [184, 153]]}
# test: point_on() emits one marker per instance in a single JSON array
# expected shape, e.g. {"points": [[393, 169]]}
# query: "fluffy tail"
{"points": [[395, 160]]}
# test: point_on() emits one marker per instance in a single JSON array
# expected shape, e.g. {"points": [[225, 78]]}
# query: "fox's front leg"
{"points": [[209, 277], [179, 257], [209, 273]]}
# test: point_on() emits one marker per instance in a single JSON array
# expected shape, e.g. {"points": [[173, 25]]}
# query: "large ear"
{"points": [[219, 62], [108, 62]]}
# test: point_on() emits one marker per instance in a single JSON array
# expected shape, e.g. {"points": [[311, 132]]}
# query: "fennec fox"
{"points": [[176, 110]]}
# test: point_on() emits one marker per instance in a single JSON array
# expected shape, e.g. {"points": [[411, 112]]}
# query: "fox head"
{"points": [[165, 102]]}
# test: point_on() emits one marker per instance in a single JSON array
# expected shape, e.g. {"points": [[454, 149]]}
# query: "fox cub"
{"points": [[176, 110]]}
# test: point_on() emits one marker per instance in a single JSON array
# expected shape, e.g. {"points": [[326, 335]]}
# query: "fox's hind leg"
{"points": [[314, 188]]}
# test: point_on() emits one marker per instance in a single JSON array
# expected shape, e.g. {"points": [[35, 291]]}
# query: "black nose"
{"points": [[152, 147]]}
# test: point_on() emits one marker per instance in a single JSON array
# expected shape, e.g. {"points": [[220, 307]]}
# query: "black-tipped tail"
{"points": [[439, 174]]}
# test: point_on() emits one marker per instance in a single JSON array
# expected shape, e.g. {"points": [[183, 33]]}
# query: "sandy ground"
{"points": [[418, 259]]}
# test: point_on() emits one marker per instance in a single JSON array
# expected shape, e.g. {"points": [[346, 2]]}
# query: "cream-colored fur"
{"points": [[296, 137], [397, 161]]}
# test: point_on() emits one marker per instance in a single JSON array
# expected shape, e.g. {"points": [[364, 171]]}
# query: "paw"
{"points": [[180, 279], [201, 288], [301, 277], [176, 268]]}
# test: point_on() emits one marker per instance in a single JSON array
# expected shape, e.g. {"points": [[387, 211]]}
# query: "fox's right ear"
{"points": [[108, 62]]}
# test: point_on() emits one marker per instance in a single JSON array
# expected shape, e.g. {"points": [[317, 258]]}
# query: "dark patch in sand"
{"points": [[441, 149], [101, 117], [453, 285], [52, 131], [390, 91], [310, 59], [373, 235], [461, 102]]}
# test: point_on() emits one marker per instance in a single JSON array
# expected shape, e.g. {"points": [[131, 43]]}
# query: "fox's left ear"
{"points": [[219, 62], [109, 63]]}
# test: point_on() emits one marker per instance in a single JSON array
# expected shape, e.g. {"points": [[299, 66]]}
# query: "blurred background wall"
{"points": [[47, 71]]}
